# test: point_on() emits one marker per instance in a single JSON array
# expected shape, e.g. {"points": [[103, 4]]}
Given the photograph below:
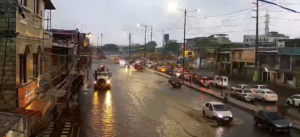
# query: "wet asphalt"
{"points": [[142, 104]]}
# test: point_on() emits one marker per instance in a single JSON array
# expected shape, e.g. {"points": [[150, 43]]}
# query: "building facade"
{"points": [[272, 37]]}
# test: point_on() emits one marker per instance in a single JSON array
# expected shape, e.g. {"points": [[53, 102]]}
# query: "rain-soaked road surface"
{"points": [[142, 104]]}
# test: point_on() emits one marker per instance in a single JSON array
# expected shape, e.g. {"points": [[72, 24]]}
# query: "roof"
{"points": [[215, 103], [7, 121], [49, 5], [269, 51]]}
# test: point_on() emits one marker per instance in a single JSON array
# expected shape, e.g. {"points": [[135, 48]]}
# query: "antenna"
{"points": [[267, 23]]}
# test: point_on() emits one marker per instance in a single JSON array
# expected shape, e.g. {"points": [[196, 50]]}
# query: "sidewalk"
{"points": [[237, 103]]}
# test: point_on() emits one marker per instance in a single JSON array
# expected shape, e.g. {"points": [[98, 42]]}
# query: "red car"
{"points": [[139, 67]]}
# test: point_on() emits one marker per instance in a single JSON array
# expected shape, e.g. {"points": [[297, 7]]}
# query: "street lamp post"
{"points": [[145, 26]]}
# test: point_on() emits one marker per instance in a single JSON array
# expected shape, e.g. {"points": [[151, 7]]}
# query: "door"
{"points": [[239, 93]]}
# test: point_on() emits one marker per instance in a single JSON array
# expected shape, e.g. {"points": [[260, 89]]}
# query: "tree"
{"points": [[150, 46], [172, 46], [109, 47]]}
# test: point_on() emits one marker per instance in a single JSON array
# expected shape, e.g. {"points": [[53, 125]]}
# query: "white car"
{"points": [[266, 95], [239, 86], [294, 100], [217, 111], [256, 88], [220, 81]]}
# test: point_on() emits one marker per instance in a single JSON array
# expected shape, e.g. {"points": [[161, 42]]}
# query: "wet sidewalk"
{"points": [[291, 114]]}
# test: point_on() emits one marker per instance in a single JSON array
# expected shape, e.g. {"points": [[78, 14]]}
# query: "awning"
{"points": [[36, 108]]}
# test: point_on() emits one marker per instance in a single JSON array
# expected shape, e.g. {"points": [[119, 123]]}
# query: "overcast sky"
{"points": [[116, 18]]}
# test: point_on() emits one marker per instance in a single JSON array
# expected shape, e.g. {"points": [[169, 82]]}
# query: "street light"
{"points": [[145, 26], [172, 7]]}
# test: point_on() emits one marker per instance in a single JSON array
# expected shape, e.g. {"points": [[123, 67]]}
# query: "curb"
{"points": [[218, 97]]}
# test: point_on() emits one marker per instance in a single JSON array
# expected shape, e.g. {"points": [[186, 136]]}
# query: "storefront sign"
{"points": [[27, 94]]}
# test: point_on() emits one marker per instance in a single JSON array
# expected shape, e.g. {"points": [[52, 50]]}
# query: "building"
{"points": [[23, 66], [272, 37], [216, 38]]}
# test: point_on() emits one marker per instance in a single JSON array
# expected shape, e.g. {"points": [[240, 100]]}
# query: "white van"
{"points": [[220, 81]]}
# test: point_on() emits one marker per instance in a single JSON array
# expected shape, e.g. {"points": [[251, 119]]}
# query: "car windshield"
{"points": [[263, 87], [247, 91], [270, 92], [246, 87], [274, 116], [102, 74], [220, 107]]}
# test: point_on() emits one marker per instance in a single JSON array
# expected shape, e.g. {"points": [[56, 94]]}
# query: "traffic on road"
{"points": [[141, 103]]}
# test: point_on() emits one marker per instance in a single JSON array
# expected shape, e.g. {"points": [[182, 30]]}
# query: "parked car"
{"points": [[240, 86], [294, 100], [217, 111], [255, 88], [244, 94], [186, 76], [266, 95], [203, 81], [272, 120]]}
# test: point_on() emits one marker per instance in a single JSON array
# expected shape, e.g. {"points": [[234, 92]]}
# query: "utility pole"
{"points": [[78, 48], [256, 44], [145, 45], [183, 48], [101, 39], [129, 45], [97, 46], [163, 44], [151, 32]]}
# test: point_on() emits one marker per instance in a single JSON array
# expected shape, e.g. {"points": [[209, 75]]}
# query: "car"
{"points": [[294, 100], [266, 95], [242, 93], [175, 82], [217, 111], [127, 66], [272, 120], [102, 79], [256, 88], [102, 68], [240, 86], [186, 76], [203, 81]]}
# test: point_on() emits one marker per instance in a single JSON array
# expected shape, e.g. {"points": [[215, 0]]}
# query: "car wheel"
{"points": [[203, 113], [289, 103], [264, 100], [255, 123]]}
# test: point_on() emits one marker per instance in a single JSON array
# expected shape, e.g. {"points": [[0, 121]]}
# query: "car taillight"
{"points": [[209, 80], [201, 80], [267, 96]]}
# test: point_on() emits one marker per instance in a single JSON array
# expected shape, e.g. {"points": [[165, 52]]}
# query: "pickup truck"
{"points": [[220, 81]]}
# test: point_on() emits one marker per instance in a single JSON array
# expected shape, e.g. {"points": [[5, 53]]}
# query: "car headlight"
{"points": [[291, 124], [220, 116], [108, 81], [95, 82], [277, 125], [230, 115]]}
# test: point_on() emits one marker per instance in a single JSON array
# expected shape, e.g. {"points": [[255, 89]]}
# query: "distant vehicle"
{"points": [[175, 82], [294, 100], [102, 68], [240, 86], [217, 111], [272, 120], [203, 81], [127, 66], [138, 67], [266, 95], [256, 88], [243, 94], [102, 79], [220, 81], [186, 76], [117, 61]]}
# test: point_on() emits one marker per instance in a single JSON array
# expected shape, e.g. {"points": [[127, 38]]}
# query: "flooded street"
{"points": [[142, 104]]}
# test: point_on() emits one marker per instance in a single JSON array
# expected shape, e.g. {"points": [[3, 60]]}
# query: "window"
{"points": [[41, 65], [24, 2], [190, 53], [35, 65], [36, 6], [21, 75], [240, 55], [23, 68], [207, 104]]}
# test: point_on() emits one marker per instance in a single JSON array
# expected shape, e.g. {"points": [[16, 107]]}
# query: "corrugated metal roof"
{"points": [[7, 121]]}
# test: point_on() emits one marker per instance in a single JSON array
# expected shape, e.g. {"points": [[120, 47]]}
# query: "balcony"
{"points": [[242, 59], [270, 66]]}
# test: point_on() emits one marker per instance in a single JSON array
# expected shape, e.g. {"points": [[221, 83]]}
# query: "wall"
{"points": [[246, 56], [8, 91]]}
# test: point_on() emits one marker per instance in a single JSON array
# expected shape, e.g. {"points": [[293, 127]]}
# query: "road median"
{"points": [[237, 103]]}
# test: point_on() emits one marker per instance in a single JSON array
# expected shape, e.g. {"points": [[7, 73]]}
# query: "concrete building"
{"points": [[272, 37], [23, 61]]}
